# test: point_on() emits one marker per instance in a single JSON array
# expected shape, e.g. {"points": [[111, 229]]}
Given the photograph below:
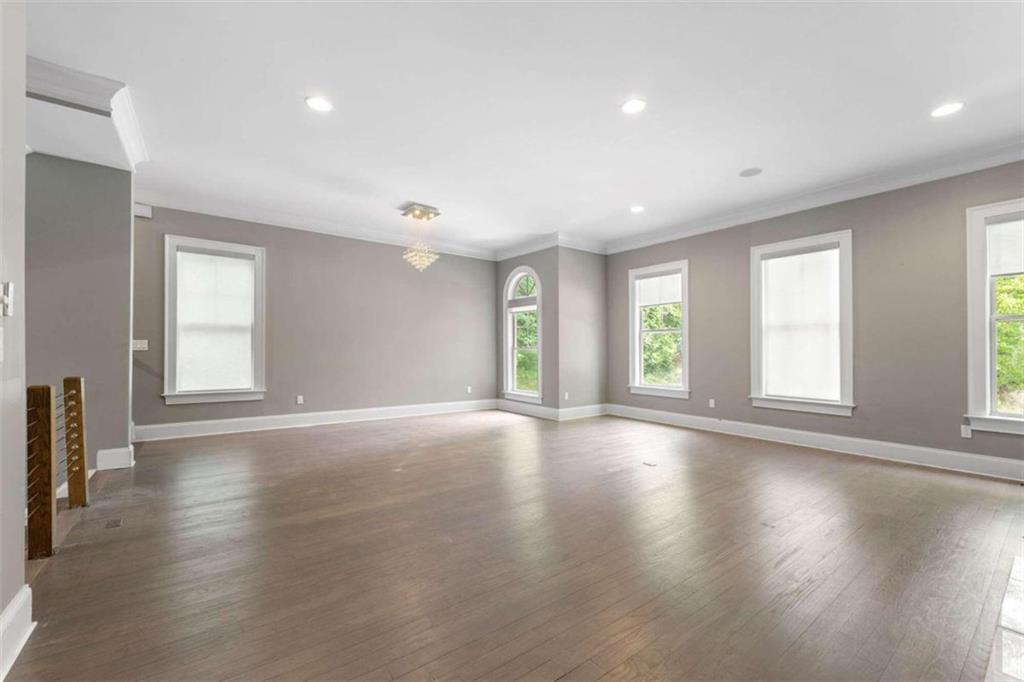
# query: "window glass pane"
{"points": [[215, 311], [1009, 295], [526, 371], [658, 290], [662, 358], [1009, 391], [667, 316], [1006, 247], [800, 325], [526, 286], [526, 329]]}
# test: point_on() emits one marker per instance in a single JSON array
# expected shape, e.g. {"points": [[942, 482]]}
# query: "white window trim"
{"points": [[682, 392], [844, 406], [172, 396], [979, 337], [507, 361]]}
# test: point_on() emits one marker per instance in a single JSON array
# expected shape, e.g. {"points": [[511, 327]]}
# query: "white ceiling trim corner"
{"points": [[861, 187], [46, 80], [126, 122]]}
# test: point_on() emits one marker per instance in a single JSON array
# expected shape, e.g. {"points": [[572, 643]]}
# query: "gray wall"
{"points": [[78, 245], [910, 311], [12, 269], [581, 327], [349, 323], [545, 264]]}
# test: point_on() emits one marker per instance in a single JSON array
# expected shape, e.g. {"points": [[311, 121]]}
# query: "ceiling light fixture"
{"points": [[317, 103], [420, 256], [751, 172], [636, 210], [634, 106], [947, 109], [419, 211]]}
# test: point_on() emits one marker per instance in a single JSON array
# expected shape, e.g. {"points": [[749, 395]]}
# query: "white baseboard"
{"points": [[936, 458], [15, 627], [148, 432], [115, 458], [552, 413], [62, 489]]}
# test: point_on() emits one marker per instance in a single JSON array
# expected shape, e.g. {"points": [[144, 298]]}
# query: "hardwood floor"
{"points": [[495, 546]]}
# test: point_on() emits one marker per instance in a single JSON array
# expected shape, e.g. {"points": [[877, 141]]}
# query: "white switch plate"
{"points": [[140, 344], [711, 402], [469, 389], [965, 431], [567, 395], [299, 400]]}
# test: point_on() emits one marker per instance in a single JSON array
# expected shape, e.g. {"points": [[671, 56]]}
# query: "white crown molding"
{"points": [[832, 194], [845, 191], [15, 627], [149, 432], [272, 218], [59, 84], [126, 123]]}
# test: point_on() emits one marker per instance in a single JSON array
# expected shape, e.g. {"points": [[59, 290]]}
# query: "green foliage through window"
{"points": [[525, 330], [1008, 293], [526, 286], [661, 354]]}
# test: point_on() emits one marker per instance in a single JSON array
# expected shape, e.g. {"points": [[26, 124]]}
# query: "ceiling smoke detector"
{"points": [[419, 211]]}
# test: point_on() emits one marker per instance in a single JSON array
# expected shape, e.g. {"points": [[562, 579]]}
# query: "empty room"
{"points": [[512, 340]]}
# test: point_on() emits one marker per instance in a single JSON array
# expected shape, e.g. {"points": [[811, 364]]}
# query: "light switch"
{"points": [[140, 344]]}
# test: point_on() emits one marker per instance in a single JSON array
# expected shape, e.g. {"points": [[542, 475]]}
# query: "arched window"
{"points": [[522, 335]]}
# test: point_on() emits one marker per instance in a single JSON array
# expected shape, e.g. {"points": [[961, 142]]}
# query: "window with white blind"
{"points": [[214, 321], [802, 325], [659, 330], [995, 311]]}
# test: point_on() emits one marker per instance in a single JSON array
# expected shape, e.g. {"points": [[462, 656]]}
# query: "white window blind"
{"points": [[216, 306], [800, 325], [659, 290], [1006, 247]]}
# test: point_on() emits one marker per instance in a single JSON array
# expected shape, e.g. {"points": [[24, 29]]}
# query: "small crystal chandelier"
{"points": [[420, 256]]}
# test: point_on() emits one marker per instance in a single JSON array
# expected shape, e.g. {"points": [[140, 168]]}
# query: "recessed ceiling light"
{"points": [[636, 209], [319, 103], [947, 109], [634, 106], [751, 172]]}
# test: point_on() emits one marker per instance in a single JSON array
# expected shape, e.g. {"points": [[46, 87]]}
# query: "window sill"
{"points": [[996, 424], [797, 405], [660, 391], [189, 397], [523, 397]]}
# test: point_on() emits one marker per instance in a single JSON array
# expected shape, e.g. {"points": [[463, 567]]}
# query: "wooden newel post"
{"points": [[74, 441], [41, 465]]}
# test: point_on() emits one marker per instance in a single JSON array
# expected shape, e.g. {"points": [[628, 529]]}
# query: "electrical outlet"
{"points": [[299, 400], [469, 389], [711, 402], [965, 431], [567, 395]]}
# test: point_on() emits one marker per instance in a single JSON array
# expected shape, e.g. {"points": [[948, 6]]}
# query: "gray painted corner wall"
{"points": [[349, 323], [78, 288], [545, 264], [12, 269], [910, 312], [583, 309]]}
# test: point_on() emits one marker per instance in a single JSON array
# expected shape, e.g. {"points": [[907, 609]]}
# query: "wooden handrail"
{"points": [[41, 488], [74, 442]]}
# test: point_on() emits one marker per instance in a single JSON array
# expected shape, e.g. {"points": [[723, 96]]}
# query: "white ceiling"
{"points": [[506, 116]]}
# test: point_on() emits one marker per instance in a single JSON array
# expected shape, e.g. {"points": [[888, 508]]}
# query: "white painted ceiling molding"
{"points": [[82, 116], [854, 189]]}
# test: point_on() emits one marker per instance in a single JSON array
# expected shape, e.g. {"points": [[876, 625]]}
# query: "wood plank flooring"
{"points": [[494, 546]]}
